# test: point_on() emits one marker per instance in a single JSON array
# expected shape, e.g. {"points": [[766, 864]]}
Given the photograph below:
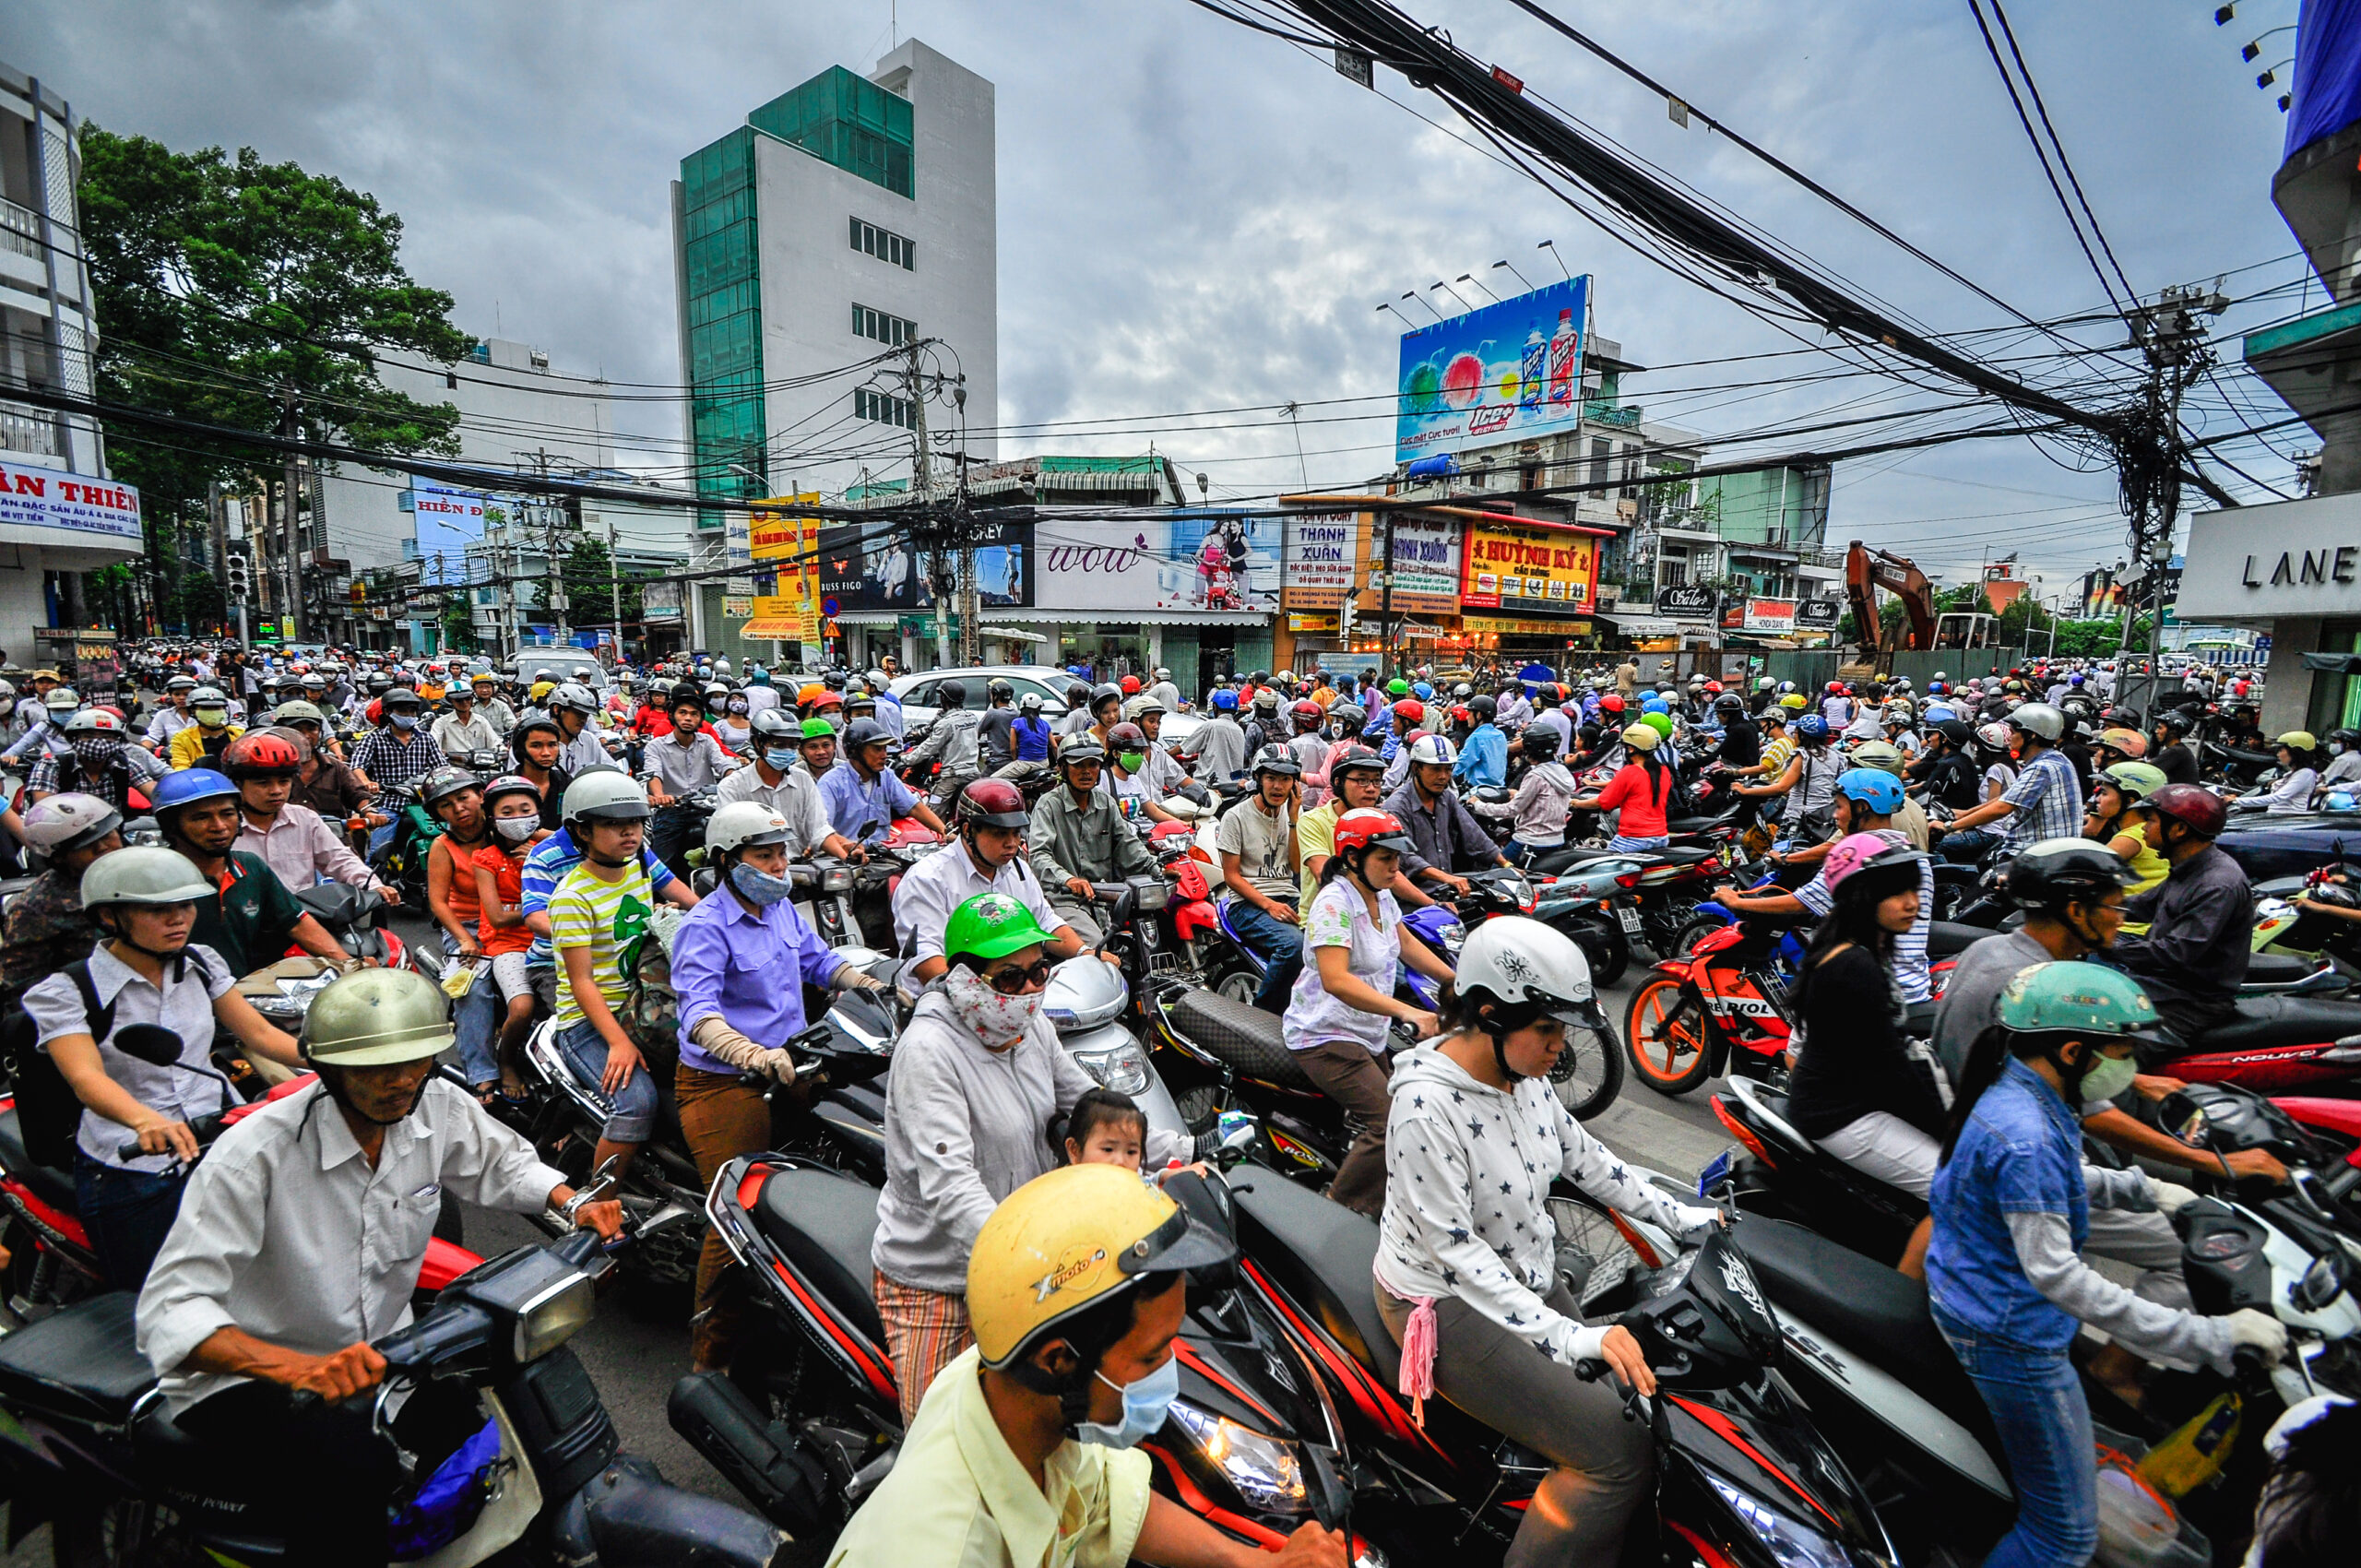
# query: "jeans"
{"points": [[2045, 1426], [1621, 843], [476, 1022], [1966, 846], [1522, 854], [1277, 943], [127, 1215], [381, 836], [668, 833], [631, 1116]]}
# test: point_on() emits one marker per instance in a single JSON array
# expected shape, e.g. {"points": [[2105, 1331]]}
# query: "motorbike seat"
{"points": [[82, 1363], [1321, 1254], [1691, 824], [1250, 1041], [2282, 1020], [1876, 1312], [51, 1185], [2277, 968], [825, 1223], [1947, 939]]}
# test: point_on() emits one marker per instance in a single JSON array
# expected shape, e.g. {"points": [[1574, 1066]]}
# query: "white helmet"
{"points": [[94, 721], [1162, 674], [741, 823], [2038, 719], [1526, 971], [573, 696], [144, 874], [1434, 749], [56, 824], [721, 666]]}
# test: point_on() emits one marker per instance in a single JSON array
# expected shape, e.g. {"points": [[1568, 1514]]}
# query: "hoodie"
{"points": [[1467, 1178], [1539, 805]]}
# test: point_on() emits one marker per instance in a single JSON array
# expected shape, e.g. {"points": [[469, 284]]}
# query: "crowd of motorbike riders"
{"points": [[553, 817]]}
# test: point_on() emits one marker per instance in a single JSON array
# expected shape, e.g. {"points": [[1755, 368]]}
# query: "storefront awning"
{"points": [[2334, 663], [1650, 625]]}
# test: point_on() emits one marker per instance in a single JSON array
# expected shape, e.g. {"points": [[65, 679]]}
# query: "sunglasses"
{"points": [[1011, 982]]}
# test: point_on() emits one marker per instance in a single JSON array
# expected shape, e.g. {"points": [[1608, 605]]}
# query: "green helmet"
{"points": [[818, 730], [1659, 722], [1397, 687], [376, 1018], [992, 925], [2135, 780], [2076, 998]]}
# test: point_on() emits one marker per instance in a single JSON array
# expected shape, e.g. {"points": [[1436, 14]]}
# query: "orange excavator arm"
{"points": [[1867, 570]]}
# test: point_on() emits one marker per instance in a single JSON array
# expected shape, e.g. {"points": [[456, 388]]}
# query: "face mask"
{"points": [[516, 829], [737, 707], [781, 759], [1132, 761], [999, 1021], [1144, 1404], [404, 721], [2108, 1077], [760, 887], [213, 718]]}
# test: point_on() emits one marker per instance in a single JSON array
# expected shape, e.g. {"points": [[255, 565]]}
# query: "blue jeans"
{"points": [[631, 1114], [1967, 846], [127, 1215], [476, 1022], [1520, 853], [381, 836], [1277, 943], [2045, 1426], [1621, 843]]}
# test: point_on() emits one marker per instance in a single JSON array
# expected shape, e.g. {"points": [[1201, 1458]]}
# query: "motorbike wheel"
{"points": [[114, 1534], [1589, 1074], [1698, 926], [1595, 1257], [1661, 930], [1667, 1037], [1198, 1106], [1240, 986]]}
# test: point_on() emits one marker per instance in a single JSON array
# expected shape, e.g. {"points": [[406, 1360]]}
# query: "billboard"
{"points": [[1426, 564], [1819, 615], [1509, 372], [70, 506], [1216, 559], [1323, 558], [1687, 601], [1529, 567], [784, 549], [871, 566]]}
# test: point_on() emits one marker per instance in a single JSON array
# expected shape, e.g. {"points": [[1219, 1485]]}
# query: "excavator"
{"points": [[1866, 571]]}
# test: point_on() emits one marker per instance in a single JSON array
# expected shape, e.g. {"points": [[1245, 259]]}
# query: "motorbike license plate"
{"points": [[1629, 916]]}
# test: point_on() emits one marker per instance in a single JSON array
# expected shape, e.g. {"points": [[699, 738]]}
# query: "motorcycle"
{"points": [[92, 1447], [1722, 1009]]}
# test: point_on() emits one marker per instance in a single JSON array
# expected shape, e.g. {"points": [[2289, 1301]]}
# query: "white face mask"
{"points": [[999, 1021], [516, 829]]}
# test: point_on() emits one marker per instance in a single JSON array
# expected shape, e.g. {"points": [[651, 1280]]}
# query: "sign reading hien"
{"points": [[67, 504]]}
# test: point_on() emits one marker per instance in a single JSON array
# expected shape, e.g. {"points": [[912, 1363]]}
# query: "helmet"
{"points": [[1225, 699], [188, 786], [1143, 706], [1835, 688], [377, 1018], [203, 696], [1887, 858], [259, 754], [741, 823], [865, 733], [1483, 707], [407, 701], [143, 875], [292, 712], [775, 724], [444, 783], [1411, 709], [55, 825], [2083, 999], [1029, 703], [573, 695], [1811, 730], [2135, 780], [1266, 700], [1308, 712], [686, 694], [1104, 1230], [2293, 740], [1131, 685], [1434, 751], [813, 729], [1659, 722], [1366, 828], [1654, 705], [997, 691], [1162, 674], [1084, 747], [1883, 756], [1104, 690], [1610, 703], [510, 784], [1882, 792], [1422, 690], [1529, 970], [2176, 720], [1278, 759], [2200, 810], [1729, 702], [1358, 757], [180, 683], [2048, 874], [1126, 738], [1541, 744], [1793, 702], [604, 794], [992, 925], [2131, 742], [1958, 731], [1350, 714], [1774, 716], [2038, 719], [95, 722], [992, 802], [1642, 736]]}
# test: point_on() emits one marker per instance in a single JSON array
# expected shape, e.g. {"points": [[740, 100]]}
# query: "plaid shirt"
{"points": [[394, 764], [52, 775], [2049, 798]]}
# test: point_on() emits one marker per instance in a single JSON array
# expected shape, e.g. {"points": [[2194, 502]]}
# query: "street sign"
{"points": [[831, 607]]}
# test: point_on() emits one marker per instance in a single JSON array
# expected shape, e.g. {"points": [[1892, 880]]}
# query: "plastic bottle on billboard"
{"points": [[1563, 345], [1537, 356]]}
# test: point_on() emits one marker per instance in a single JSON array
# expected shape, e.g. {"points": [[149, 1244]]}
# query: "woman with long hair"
{"points": [[1642, 788]]}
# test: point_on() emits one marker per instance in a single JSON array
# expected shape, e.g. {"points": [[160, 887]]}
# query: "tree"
{"points": [[199, 604], [589, 590], [225, 285]]}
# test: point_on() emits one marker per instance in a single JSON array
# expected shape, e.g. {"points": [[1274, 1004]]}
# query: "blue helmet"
{"points": [[1882, 792], [1423, 689], [187, 786], [1654, 705], [1812, 730], [1225, 699]]}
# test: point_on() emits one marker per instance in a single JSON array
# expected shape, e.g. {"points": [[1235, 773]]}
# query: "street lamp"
{"points": [[1470, 278], [1513, 273], [1551, 246]]}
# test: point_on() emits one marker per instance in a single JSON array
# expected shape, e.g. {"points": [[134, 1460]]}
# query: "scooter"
{"points": [[91, 1445], [1722, 1009]]}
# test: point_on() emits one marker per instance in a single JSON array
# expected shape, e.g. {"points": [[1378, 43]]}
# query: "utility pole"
{"points": [[615, 583], [2169, 333], [550, 518], [940, 581], [1385, 606], [289, 426]]}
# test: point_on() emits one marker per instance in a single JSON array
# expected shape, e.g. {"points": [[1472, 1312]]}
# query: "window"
{"points": [[879, 327], [885, 245], [1602, 454], [884, 408]]}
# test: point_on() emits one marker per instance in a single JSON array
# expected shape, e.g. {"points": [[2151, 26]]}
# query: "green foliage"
{"points": [[200, 603], [459, 626], [589, 591]]}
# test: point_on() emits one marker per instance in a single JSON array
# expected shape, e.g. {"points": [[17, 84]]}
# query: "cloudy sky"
{"points": [[1194, 217]]}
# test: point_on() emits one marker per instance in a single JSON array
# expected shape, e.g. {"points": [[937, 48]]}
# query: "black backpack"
{"points": [[49, 1114]]}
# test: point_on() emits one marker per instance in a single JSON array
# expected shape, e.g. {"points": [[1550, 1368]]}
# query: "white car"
{"points": [[916, 694]]}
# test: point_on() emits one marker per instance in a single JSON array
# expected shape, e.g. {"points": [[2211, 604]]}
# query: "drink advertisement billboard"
{"points": [[1509, 372], [1207, 560], [1532, 568]]}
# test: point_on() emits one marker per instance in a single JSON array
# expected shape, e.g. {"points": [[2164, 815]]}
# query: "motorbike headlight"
{"points": [[836, 879], [1268, 1472], [1122, 1069], [550, 1319], [1455, 937], [1792, 1544]]}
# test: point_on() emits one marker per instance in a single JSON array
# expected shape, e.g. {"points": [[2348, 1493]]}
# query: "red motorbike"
{"points": [[1721, 1009]]}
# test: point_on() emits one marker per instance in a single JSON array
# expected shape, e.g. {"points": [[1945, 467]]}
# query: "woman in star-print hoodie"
{"points": [[1466, 1259]]}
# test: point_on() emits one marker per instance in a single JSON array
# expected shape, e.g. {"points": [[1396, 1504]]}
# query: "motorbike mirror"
{"points": [[152, 1043]]}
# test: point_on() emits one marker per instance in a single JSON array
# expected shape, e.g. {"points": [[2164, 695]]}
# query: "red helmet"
{"points": [[1835, 688], [1610, 703], [1309, 712], [1411, 709], [1369, 828], [1131, 685], [1713, 688], [992, 802], [259, 754], [2200, 810]]}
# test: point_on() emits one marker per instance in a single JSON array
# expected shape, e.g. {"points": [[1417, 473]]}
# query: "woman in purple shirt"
{"points": [[739, 963]]}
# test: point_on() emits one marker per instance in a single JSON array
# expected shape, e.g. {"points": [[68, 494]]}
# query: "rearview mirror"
{"points": [[152, 1043]]}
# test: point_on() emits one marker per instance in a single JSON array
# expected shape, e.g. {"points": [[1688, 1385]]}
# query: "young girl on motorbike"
{"points": [[2120, 819]]}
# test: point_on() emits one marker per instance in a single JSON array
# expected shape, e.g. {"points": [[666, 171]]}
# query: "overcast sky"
{"points": [[1193, 217]]}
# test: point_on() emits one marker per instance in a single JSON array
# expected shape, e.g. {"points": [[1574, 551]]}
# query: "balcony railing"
{"points": [[19, 229], [24, 429]]}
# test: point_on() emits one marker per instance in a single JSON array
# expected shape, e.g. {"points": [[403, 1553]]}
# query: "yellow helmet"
{"points": [[1792, 702], [1069, 1241]]}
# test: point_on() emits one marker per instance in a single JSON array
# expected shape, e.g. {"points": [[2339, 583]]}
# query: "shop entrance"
{"points": [[1109, 651]]}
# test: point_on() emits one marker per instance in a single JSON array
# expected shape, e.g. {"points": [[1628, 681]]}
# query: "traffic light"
{"points": [[242, 582]]}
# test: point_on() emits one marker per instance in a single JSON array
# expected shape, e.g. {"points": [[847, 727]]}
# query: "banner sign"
{"points": [[1687, 601], [1323, 556], [786, 601], [1770, 615], [1426, 566], [1819, 615], [71, 506], [1204, 559], [1508, 372], [883, 573], [1528, 567]]}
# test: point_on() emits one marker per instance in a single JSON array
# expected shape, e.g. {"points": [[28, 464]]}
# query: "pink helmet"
{"points": [[1856, 851]]}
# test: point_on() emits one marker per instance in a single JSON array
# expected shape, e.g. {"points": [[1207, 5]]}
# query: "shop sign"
{"points": [[1510, 370], [786, 549], [1310, 621], [1819, 615], [1527, 566], [1215, 560], [872, 567], [1518, 625], [1323, 555], [1426, 566], [1688, 602], [70, 507], [1768, 615]]}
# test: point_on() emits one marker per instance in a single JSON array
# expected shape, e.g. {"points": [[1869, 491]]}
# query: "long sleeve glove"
{"points": [[716, 1038]]}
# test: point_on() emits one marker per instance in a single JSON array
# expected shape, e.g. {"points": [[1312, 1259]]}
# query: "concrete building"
{"points": [[844, 219], [60, 514]]}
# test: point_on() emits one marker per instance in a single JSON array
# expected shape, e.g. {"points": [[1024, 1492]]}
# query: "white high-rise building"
{"points": [[843, 220]]}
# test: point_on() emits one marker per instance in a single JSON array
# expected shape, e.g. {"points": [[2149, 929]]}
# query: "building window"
{"points": [[885, 245], [878, 327], [884, 408], [1602, 454]]}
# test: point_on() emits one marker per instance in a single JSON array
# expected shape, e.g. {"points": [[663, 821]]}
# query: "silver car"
{"points": [[916, 694]]}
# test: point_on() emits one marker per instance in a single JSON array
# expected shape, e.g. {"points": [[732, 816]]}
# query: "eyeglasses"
{"points": [[1011, 982]]}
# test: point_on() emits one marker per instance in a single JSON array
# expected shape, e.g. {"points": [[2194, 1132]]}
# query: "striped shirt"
{"points": [[2049, 798], [609, 919], [1909, 947], [547, 866]]}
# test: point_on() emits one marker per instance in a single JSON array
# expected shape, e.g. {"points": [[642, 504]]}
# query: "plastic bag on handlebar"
{"points": [[446, 1506]]}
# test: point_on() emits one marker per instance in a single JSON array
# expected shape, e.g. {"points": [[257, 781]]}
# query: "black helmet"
{"points": [[1540, 743], [1482, 707], [1076, 693], [950, 694], [1729, 702], [1277, 759], [526, 726], [865, 733], [2346, 737], [997, 691], [686, 695], [773, 724], [1958, 731], [2049, 875], [1106, 691]]}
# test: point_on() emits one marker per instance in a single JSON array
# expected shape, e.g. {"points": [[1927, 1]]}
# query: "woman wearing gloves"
{"points": [[2005, 1278], [739, 963], [1467, 1267]]}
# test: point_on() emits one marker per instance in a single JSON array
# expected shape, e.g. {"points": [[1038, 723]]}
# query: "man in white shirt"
{"points": [[779, 781], [988, 857], [463, 729], [172, 718], [1165, 691]]}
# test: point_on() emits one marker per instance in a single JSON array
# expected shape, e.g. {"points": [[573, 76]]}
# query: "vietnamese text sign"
{"points": [[785, 548], [1770, 615], [1426, 566], [1532, 568], [1509, 372], [72, 507], [1323, 558], [1215, 560]]}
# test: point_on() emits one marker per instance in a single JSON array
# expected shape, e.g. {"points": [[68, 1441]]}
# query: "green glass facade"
{"points": [[722, 313], [855, 124]]}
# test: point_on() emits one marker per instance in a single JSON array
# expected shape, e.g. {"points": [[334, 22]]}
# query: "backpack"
{"points": [[49, 1114]]}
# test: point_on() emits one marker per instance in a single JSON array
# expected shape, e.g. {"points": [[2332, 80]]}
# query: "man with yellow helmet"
{"points": [[1026, 1448]]}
